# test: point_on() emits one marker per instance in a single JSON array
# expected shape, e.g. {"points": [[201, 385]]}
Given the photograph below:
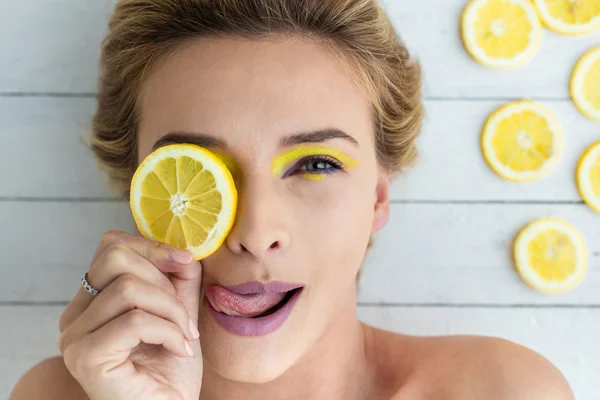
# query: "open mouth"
{"points": [[252, 309], [250, 302], [279, 305]]}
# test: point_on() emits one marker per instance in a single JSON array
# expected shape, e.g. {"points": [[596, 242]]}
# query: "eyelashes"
{"points": [[315, 166], [312, 162]]}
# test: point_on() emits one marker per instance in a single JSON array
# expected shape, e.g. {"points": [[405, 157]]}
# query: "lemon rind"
{"points": [[583, 179], [224, 182], [562, 28], [577, 83], [488, 149], [479, 55], [521, 256]]}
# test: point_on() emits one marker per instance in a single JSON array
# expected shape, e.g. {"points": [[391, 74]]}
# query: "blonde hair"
{"points": [[143, 32]]}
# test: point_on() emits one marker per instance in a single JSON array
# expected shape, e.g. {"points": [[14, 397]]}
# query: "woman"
{"points": [[252, 79]]}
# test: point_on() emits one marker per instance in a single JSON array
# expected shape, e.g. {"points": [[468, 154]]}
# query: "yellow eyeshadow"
{"points": [[228, 161], [284, 159], [314, 177]]}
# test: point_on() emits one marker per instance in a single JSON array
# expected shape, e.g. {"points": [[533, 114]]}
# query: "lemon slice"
{"points": [[522, 141], [585, 84], [570, 17], [184, 195], [550, 255], [501, 33], [588, 176]]}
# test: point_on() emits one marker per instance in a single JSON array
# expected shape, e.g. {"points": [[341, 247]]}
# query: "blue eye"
{"points": [[318, 165]]}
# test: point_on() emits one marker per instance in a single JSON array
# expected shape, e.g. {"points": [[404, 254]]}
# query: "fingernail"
{"points": [[194, 330], [189, 349], [182, 256]]}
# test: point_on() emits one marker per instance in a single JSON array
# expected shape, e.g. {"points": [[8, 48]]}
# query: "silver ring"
{"points": [[88, 288]]}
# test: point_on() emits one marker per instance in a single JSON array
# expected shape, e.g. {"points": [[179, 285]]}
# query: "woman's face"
{"points": [[298, 134]]}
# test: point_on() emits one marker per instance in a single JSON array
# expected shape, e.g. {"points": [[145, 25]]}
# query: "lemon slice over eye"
{"points": [[501, 33], [588, 176], [550, 255], [585, 84], [570, 17], [184, 195], [522, 141]]}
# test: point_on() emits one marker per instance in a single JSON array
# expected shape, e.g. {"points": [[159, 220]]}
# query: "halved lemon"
{"points": [[501, 33], [522, 141], [570, 17], [588, 176], [585, 84], [185, 196], [551, 255]]}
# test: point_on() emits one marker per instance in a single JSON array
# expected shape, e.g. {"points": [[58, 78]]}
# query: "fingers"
{"points": [[185, 274], [127, 293], [188, 286], [119, 259], [141, 283], [111, 345], [115, 261], [157, 253], [121, 253]]}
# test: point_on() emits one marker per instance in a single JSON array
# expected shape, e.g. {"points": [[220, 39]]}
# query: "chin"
{"points": [[258, 359]]}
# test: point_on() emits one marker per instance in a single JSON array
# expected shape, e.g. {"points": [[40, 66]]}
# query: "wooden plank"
{"points": [[47, 131], [51, 45], [33, 335], [568, 338], [43, 149], [430, 254], [60, 52], [48, 246]]}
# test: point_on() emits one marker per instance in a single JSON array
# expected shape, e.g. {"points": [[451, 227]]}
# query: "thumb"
{"points": [[188, 283]]}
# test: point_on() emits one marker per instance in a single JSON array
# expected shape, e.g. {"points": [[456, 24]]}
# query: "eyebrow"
{"points": [[319, 136], [200, 139], [205, 140]]}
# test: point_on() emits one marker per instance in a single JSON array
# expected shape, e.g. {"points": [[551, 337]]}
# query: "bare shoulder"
{"points": [[49, 379], [470, 367], [495, 369]]}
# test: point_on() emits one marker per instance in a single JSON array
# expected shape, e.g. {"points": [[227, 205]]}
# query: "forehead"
{"points": [[252, 91]]}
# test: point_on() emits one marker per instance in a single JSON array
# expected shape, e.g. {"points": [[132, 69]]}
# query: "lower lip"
{"points": [[255, 326]]}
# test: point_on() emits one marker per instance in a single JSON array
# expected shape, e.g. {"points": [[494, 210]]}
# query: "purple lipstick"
{"points": [[252, 308]]}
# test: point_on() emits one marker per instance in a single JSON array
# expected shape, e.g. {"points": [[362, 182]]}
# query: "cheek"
{"points": [[336, 225], [332, 201]]}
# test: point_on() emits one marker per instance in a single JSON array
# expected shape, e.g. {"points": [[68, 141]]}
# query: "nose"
{"points": [[260, 227]]}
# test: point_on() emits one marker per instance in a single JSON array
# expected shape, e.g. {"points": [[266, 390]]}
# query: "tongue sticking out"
{"points": [[241, 305]]}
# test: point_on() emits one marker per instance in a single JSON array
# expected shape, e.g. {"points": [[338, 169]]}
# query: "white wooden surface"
{"points": [[441, 266]]}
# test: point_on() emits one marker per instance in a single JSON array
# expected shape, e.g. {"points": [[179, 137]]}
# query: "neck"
{"points": [[336, 367]]}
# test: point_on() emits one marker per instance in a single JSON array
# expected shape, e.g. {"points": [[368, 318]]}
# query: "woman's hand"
{"points": [[129, 342]]}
